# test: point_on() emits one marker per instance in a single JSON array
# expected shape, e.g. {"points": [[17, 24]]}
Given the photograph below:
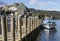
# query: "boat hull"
{"points": [[49, 26]]}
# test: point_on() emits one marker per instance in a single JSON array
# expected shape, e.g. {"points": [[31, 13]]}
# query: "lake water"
{"points": [[50, 35]]}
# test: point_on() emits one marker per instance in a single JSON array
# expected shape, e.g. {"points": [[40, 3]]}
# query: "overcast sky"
{"points": [[38, 4]]}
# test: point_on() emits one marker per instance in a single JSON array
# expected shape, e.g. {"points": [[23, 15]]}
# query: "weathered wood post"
{"points": [[35, 23], [33, 28], [28, 26], [31, 24], [19, 28], [24, 27], [2, 27], [13, 28], [5, 27], [16, 28]]}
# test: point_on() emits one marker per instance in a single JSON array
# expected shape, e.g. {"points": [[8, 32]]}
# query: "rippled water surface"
{"points": [[50, 35]]}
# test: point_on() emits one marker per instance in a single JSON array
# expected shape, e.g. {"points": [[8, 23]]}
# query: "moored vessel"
{"points": [[48, 23]]}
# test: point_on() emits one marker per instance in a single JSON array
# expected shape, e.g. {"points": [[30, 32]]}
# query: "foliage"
{"points": [[42, 13]]}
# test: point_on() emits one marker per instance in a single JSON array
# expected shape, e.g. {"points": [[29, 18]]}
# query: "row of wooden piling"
{"points": [[23, 28]]}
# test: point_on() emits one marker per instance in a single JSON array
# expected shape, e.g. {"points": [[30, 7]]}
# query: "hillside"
{"points": [[55, 14]]}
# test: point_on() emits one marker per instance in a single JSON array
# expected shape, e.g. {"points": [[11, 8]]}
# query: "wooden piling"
{"points": [[19, 28], [12, 28], [2, 26]]}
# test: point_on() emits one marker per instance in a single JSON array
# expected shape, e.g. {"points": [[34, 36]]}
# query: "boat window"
{"points": [[49, 22]]}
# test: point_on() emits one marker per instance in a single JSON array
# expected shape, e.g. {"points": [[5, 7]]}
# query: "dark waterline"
{"points": [[50, 35]]}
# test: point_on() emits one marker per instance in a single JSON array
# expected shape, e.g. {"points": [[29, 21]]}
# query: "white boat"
{"points": [[48, 23]]}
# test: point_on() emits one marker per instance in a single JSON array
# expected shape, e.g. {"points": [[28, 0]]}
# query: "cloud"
{"points": [[50, 9], [52, 3], [41, 3], [31, 2], [45, 3]]}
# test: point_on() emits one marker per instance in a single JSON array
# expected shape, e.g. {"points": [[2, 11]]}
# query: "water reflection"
{"points": [[50, 35]]}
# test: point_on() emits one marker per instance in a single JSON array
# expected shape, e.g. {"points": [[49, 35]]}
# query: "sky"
{"points": [[51, 5]]}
